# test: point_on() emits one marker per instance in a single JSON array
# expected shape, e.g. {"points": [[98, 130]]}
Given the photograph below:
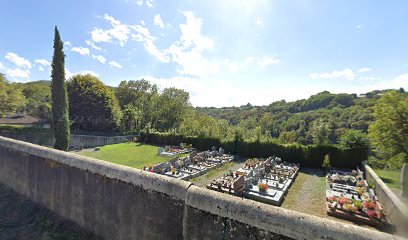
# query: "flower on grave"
{"points": [[360, 184], [332, 199], [345, 200], [173, 170], [263, 186], [350, 208], [369, 205], [361, 190], [358, 204], [372, 214], [151, 170]]}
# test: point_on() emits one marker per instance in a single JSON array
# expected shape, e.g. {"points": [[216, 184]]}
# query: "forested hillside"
{"points": [[322, 118]]}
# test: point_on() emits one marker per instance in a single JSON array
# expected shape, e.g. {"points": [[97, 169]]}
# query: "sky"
{"points": [[224, 52]]}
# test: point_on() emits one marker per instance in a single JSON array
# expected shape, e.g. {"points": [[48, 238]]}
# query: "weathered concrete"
{"points": [[118, 202], [113, 201], [397, 211], [76, 141], [266, 217]]}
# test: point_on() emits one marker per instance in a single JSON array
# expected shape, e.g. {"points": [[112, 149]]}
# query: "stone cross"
{"points": [[404, 180]]}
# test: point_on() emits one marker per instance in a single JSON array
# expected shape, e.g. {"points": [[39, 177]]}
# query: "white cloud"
{"points": [[114, 64], [99, 35], [81, 50], [143, 36], [68, 74], [1, 66], [118, 31], [68, 43], [99, 58], [18, 73], [346, 74], [359, 26], [370, 78], [149, 3], [18, 61], [364, 69], [188, 51], [259, 20], [89, 72], [158, 21], [92, 45], [43, 62], [265, 61]]}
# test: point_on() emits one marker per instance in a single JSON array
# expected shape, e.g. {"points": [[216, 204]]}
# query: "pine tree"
{"points": [[59, 95]]}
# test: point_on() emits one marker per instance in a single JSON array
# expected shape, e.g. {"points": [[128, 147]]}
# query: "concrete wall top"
{"points": [[146, 180], [276, 219]]}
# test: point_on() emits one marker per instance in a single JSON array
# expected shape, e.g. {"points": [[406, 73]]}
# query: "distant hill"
{"points": [[298, 119]]}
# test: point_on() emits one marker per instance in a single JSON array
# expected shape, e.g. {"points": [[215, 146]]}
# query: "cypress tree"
{"points": [[60, 116]]}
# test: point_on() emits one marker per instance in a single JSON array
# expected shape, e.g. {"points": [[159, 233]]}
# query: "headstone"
{"points": [[404, 180], [239, 184], [160, 150]]}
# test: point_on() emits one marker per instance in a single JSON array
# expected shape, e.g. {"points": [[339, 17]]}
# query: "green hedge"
{"points": [[308, 156]]}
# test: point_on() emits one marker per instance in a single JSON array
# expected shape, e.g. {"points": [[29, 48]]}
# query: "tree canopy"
{"points": [[93, 106]]}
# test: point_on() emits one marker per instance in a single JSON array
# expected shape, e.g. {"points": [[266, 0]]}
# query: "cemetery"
{"points": [[265, 181], [175, 150], [192, 166], [350, 197]]}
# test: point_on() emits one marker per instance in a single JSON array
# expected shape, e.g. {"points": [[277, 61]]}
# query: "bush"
{"points": [[307, 156]]}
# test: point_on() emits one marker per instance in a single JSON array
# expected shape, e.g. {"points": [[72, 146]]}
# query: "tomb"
{"points": [[265, 181], [348, 196]]}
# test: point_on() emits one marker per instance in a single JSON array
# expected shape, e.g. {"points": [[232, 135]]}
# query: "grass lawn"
{"points": [[23, 219], [390, 177], [308, 193], [135, 155]]}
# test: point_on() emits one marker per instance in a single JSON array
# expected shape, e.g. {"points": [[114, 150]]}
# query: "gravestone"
{"points": [[160, 150], [404, 180], [239, 184]]}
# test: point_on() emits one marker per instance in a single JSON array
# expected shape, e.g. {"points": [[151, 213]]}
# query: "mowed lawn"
{"points": [[135, 155], [390, 177]]}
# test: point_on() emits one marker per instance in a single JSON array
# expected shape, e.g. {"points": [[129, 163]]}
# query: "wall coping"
{"points": [[146, 180], [276, 219]]}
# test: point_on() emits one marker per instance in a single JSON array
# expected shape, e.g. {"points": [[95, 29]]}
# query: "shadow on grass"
{"points": [[313, 171]]}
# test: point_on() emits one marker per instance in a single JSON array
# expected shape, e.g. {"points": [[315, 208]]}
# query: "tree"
{"points": [[172, 105], [142, 96], [93, 106], [38, 95], [320, 132], [389, 133], [354, 139], [60, 118], [11, 97]]}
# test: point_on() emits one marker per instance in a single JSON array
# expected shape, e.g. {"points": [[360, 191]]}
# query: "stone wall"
{"points": [[397, 211], [119, 202], [76, 141]]}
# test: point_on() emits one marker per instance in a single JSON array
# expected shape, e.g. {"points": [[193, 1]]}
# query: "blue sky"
{"points": [[224, 53]]}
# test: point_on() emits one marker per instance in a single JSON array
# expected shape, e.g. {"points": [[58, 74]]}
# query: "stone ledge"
{"points": [[277, 220], [146, 180]]}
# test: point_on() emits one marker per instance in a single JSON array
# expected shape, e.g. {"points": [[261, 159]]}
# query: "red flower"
{"points": [[151, 170], [344, 200], [369, 205], [372, 214]]}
